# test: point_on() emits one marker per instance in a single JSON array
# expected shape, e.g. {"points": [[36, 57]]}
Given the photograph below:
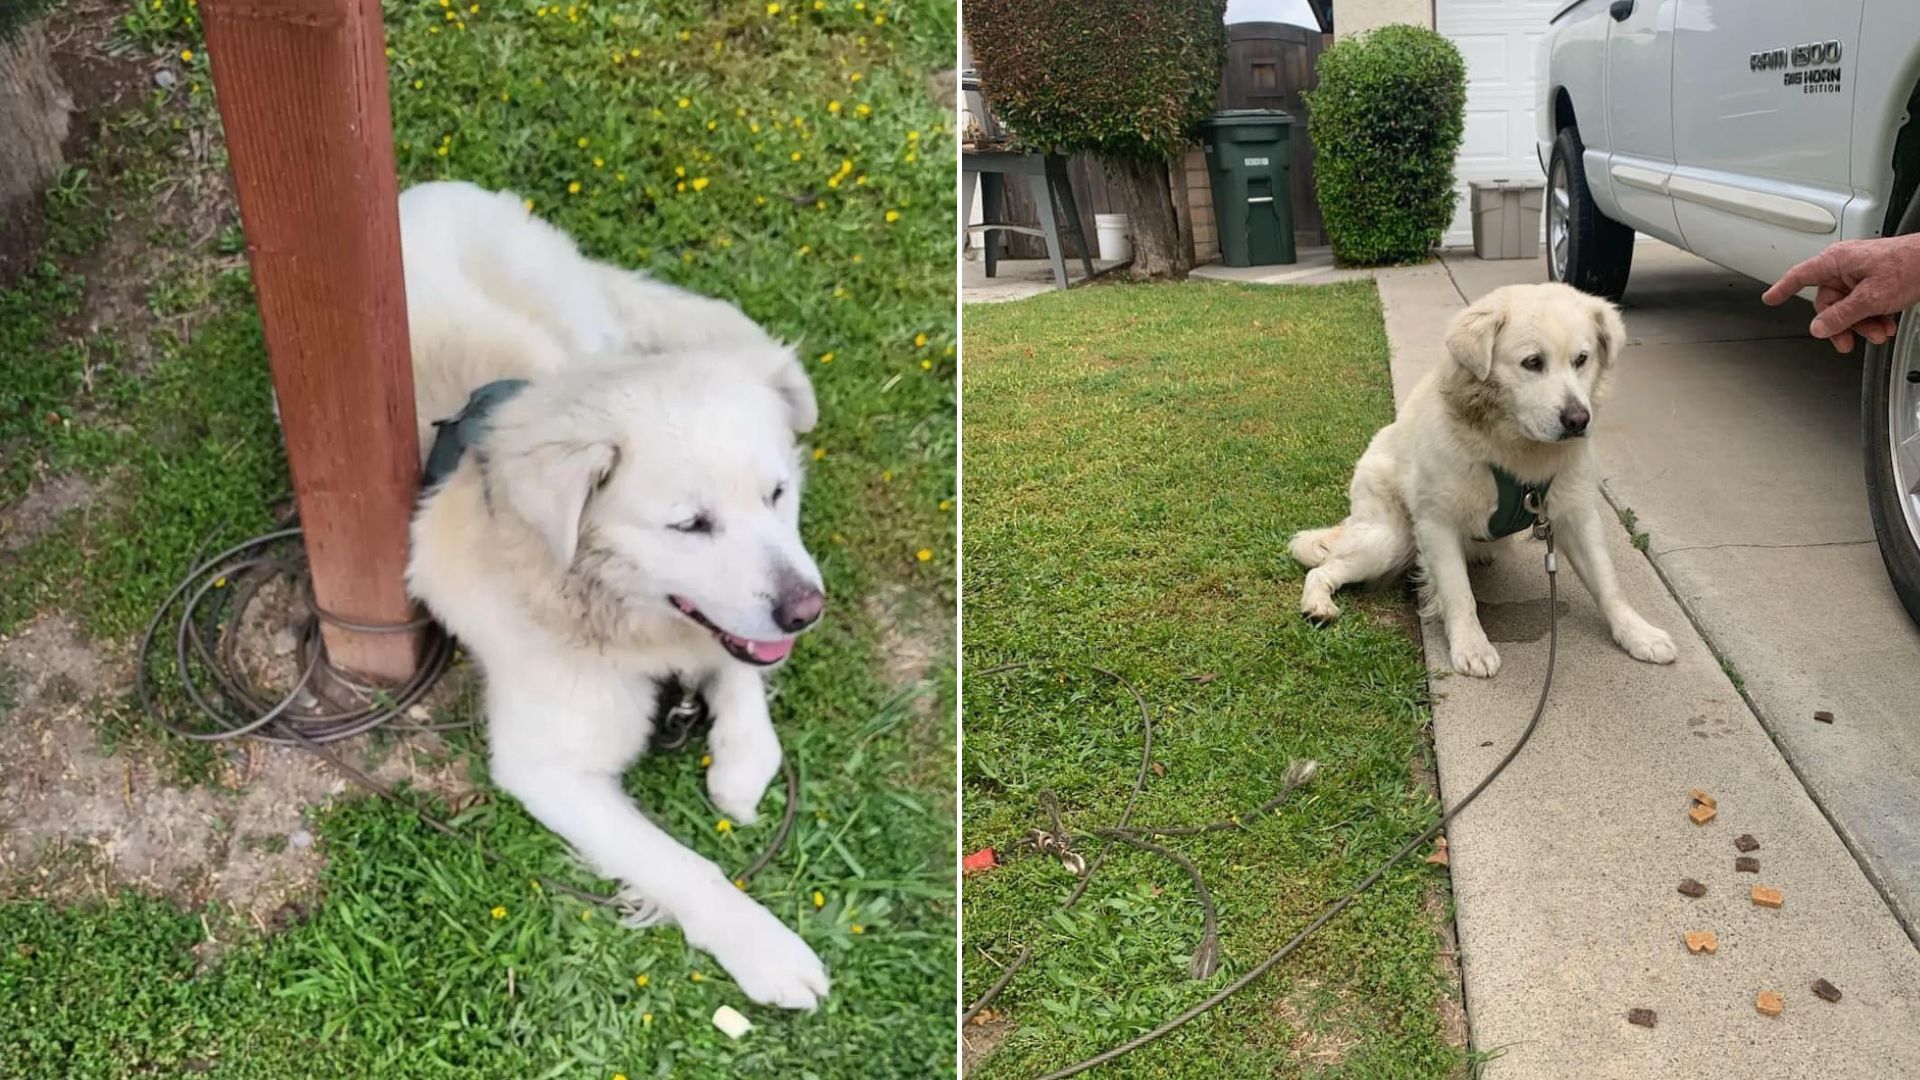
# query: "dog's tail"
{"points": [[1310, 546]]}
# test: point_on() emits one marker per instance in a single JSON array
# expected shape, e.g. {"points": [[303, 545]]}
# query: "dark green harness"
{"points": [[454, 435], [1510, 514]]}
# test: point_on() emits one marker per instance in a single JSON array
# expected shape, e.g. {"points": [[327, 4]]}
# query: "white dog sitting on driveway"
{"points": [[619, 508], [1452, 474]]}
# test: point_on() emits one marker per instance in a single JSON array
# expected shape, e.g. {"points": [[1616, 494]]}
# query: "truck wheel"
{"points": [[1585, 248], [1890, 428]]}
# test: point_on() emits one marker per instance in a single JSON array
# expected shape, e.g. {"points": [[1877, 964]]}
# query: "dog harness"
{"points": [[1510, 513], [463, 429]]}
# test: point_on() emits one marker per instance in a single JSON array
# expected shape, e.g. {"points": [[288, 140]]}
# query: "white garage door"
{"points": [[1499, 40]]}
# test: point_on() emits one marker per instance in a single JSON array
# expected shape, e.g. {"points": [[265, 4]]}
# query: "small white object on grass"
{"points": [[729, 1020]]}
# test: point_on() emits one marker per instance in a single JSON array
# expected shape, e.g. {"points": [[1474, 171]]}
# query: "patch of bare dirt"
{"points": [[76, 822], [978, 1038], [1319, 1035], [912, 637], [35, 515]]}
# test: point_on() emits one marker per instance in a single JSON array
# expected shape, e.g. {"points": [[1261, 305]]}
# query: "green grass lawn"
{"points": [[786, 156], [1135, 459]]}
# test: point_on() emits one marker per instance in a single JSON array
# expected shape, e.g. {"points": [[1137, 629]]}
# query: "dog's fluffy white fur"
{"points": [[631, 515], [1531, 364]]}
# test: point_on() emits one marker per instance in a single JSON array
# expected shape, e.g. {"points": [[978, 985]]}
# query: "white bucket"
{"points": [[1115, 243]]}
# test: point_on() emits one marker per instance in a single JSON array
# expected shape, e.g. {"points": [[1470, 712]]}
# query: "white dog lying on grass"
{"points": [[1451, 474], [628, 515]]}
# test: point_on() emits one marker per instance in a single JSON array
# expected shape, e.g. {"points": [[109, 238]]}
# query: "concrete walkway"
{"points": [[1725, 437]]}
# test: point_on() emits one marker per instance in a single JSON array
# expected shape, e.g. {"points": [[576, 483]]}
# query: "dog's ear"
{"points": [[794, 388], [1612, 331], [1471, 335], [548, 486]]}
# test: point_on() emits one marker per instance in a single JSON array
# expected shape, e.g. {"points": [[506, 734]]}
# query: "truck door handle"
{"points": [[1620, 9]]}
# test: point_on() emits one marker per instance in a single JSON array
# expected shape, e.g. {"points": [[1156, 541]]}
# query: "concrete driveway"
{"points": [[1735, 441]]}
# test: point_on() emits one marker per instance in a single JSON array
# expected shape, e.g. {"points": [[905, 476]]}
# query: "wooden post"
{"points": [[302, 90]]}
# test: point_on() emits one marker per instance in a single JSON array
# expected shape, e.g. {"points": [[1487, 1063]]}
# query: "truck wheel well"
{"points": [[1906, 165], [1562, 109]]}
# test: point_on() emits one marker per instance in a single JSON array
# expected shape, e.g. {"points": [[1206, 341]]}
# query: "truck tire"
{"points": [[1585, 248], [1889, 418]]}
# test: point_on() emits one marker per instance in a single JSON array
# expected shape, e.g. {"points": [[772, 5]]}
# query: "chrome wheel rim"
{"points": [[1903, 421], [1559, 211]]}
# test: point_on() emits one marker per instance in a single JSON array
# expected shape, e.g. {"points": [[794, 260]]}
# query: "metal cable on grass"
{"points": [[207, 696]]}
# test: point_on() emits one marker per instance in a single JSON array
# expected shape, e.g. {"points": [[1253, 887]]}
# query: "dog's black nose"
{"points": [[1574, 418], [799, 609]]}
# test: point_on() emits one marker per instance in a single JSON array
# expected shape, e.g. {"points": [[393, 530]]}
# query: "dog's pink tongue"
{"points": [[768, 652]]}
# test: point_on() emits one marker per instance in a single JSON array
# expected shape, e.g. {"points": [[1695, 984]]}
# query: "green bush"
{"points": [[1386, 123], [1119, 78]]}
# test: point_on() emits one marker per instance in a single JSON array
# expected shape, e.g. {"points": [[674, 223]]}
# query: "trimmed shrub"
{"points": [[1119, 78], [1386, 123]]}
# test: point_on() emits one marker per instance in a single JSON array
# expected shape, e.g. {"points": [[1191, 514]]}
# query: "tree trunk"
{"points": [[34, 109], [1142, 192]]}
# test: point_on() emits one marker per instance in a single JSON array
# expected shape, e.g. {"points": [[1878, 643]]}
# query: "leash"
{"points": [[1542, 530], [206, 666]]}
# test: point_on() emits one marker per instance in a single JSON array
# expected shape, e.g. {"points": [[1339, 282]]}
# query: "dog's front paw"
{"points": [[1319, 610], [737, 781], [769, 961], [1476, 657], [1645, 641]]}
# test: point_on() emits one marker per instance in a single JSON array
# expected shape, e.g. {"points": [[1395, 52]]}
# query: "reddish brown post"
{"points": [[302, 89]]}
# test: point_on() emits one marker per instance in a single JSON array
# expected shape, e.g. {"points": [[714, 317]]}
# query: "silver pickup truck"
{"points": [[1752, 133]]}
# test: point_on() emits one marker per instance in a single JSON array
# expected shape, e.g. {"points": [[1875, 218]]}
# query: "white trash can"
{"points": [[1116, 237], [1506, 218]]}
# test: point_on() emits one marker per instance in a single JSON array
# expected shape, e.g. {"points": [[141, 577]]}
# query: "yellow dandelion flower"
{"points": [[854, 76], [723, 825], [586, 915], [926, 365], [859, 5], [861, 179], [646, 1019], [681, 186], [819, 5], [685, 102], [433, 29], [446, 3], [686, 35], [858, 929], [156, 7], [417, 84], [826, 358], [886, 476], [819, 453], [893, 216], [620, 176], [833, 107], [706, 760], [504, 96], [862, 109], [819, 899], [911, 158], [699, 183], [599, 163], [679, 170], [642, 979], [442, 151], [696, 976], [773, 9], [619, 58], [635, 53], [573, 188], [857, 257], [833, 181], [535, 882], [759, 200], [839, 292], [711, 124], [582, 142], [619, 1076], [919, 341], [819, 204], [946, 505], [542, 13], [913, 136], [806, 249], [528, 203], [795, 156], [924, 554], [499, 912], [879, 20], [740, 883], [753, 126]]}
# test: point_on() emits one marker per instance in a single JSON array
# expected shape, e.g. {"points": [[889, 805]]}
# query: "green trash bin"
{"points": [[1248, 159]]}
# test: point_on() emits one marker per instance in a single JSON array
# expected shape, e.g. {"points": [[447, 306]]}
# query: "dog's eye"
{"points": [[698, 523], [778, 490], [1580, 361], [1533, 363]]}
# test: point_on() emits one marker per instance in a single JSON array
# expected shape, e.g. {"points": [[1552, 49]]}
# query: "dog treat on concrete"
{"points": [[1701, 813], [1643, 1017], [1823, 716], [1746, 842], [1766, 897], [1690, 887], [1703, 799], [1702, 941], [1746, 864], [1769, 1003], [1825, 990]]}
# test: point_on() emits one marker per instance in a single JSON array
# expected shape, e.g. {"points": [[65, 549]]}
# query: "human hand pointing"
{"points": [[1859, 286]]}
